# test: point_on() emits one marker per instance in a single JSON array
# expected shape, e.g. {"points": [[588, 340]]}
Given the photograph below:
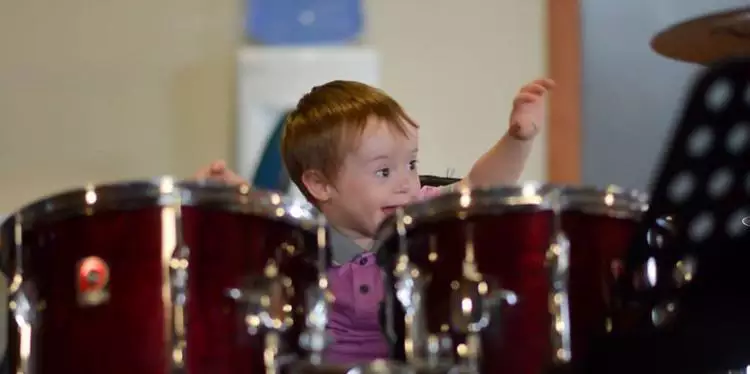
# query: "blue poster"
{"points": [[303, 22]]}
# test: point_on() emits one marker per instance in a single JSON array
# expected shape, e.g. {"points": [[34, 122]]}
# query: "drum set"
{"points": [[166, 276], [170, 276]]}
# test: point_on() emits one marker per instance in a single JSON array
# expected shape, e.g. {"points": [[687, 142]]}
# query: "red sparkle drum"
{"points": [[504, 280], [158, 277]]}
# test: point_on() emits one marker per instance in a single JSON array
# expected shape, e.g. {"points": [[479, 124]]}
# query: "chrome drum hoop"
{"points": [[130, 195]]}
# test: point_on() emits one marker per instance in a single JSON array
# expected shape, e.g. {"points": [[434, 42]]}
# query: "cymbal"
{"points": [[708, 39]]}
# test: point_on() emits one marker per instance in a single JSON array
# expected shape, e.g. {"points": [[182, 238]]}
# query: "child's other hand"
{"points": [[218, 171]]}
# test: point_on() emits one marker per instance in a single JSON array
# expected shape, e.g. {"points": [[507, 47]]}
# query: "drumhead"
{"points": [[609, 201], [164, 191], [467, 202]]}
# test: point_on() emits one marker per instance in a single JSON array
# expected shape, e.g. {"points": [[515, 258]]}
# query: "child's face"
{"points": [[378, 176]]}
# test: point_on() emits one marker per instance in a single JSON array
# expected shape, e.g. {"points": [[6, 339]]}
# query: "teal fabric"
{"points": [[271, 173]]}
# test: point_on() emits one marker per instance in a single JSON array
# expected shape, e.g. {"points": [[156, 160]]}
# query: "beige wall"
{"points": [[456, 66], [107, 90]]}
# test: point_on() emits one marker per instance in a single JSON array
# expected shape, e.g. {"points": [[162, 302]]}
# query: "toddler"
{"points": [[352, 151]]}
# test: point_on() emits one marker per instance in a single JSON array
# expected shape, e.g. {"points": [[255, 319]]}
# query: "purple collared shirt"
{"points": [[357, 286]]}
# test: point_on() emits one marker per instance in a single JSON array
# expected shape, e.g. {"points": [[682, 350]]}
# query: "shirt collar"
{"points": [[343, 249]]}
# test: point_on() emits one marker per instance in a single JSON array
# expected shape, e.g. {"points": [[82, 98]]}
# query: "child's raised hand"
{"points": [[529, 109], [218, 171]]}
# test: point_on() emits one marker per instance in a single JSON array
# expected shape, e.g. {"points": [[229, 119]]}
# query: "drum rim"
{"points": [[530, 196], [134, 194], [635, 200]]}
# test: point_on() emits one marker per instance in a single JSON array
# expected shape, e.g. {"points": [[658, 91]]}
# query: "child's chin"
{"points": [[382, 217]]}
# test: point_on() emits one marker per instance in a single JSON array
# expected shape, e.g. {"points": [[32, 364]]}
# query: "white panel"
{"points": [[273, 79]]}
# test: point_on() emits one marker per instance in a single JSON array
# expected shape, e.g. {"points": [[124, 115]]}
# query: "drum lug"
{"points": [[409, 288], [410, 285], [24, 313], [266, 301], [472, 305], [22, 305], [268, 311], [315, 338], [178, 267], [558, 261], [176, 274]]}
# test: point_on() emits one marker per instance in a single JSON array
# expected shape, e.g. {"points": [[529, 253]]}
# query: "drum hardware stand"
{"points": [[701, 293], [315, 337], [558, 261], [470, 311], [471, 305], [22, 306], [267, 312]]}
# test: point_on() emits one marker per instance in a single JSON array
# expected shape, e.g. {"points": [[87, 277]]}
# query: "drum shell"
{"points": [[130, 331], [511, 239]]}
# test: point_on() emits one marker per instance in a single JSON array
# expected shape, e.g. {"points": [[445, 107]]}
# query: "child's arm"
{"points": [[505, 161], [501, 164]]}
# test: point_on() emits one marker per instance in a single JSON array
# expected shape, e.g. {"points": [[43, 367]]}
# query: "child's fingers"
{"points": [[525, 98], [218, 166]]}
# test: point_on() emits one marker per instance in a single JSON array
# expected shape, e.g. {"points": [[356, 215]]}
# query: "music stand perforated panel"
{"points": [[702, 190]]}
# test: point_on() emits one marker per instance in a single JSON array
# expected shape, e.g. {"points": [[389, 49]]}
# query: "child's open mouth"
{"points": [[390, 209]]}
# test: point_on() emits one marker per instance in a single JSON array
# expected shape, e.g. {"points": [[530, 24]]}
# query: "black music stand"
{"points": [[704, 184], [435, 181]]}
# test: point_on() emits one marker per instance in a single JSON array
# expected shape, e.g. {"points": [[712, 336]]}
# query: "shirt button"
{"points": [[364, 288], [363, 261]]}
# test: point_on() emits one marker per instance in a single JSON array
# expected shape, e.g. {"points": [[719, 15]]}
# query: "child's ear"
{"points": [[317, 185]]}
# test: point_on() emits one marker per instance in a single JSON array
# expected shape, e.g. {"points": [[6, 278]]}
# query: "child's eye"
{"points": [[413, 165], [383, 173]]}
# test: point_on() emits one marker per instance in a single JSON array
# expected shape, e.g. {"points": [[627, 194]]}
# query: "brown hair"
{"points": [[327, 123]]}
